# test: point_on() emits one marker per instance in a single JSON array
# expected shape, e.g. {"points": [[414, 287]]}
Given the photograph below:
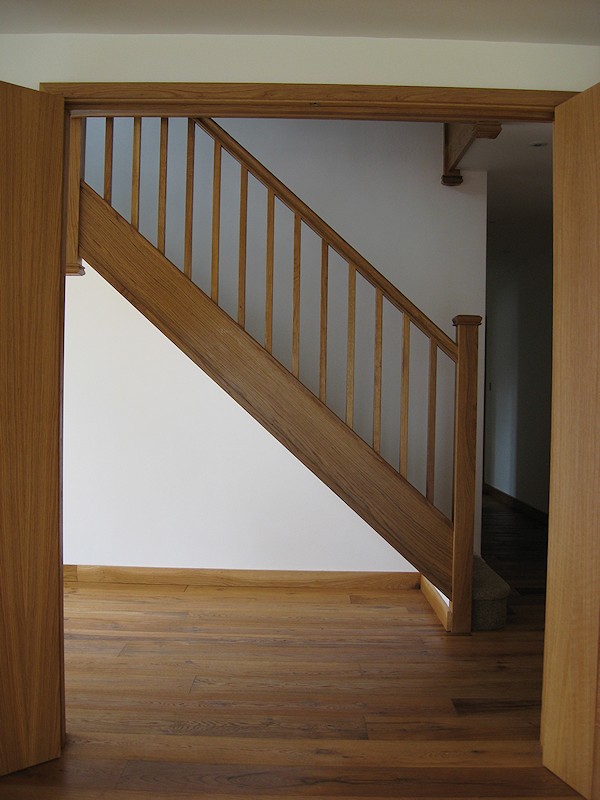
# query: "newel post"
{"points": [[465, 449]]}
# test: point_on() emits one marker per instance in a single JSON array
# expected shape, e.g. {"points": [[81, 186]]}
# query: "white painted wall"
{"points": [[162, 468], [104, 502], [30, 59]]}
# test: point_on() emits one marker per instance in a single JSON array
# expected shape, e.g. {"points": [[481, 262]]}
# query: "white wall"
{"points": [[162, 468], [29, 60]]}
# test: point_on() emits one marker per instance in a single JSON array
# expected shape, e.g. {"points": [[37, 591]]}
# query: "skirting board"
{"points": [[436, 601], [381, 581], [518, 505]]}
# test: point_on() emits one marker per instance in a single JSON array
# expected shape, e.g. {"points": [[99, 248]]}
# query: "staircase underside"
{"points": [[274, 397]]}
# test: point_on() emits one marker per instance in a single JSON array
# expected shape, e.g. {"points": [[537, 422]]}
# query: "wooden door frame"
{"points": [[309, 101]]}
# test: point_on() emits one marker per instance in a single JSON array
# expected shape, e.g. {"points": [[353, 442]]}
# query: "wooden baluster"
{"points": [[404, 396], [136, 156], [431, 409], [377, 370], [108, 159], [162, 184], [296, 297], [243, 246], [189, 198], [269, 271], [465, 450], [351, 345], [216, 224], [75, 175], [323, 340]]}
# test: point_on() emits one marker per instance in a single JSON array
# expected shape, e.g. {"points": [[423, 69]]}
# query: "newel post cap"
{"points": [[467, 319]]}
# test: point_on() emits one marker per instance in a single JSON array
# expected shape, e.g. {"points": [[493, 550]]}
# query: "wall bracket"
{"points": [[458, 137]]}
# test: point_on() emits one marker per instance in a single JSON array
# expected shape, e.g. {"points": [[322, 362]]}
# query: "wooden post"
{"points": [[75, 167], [465, 438]]}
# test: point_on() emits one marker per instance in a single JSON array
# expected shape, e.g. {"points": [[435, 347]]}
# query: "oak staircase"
{"points": [[284, 369]]}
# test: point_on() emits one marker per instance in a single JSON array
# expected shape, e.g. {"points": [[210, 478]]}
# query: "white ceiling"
{"points": [[552, 21], [519, 167]]}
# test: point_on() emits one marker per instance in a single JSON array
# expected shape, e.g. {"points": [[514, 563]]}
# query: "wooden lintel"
{"points": [[307, 101], [458, 137]]}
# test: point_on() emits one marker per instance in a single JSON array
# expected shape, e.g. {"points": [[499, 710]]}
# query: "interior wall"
{"points": [[519, 310], [162, 468], [31, 59]]}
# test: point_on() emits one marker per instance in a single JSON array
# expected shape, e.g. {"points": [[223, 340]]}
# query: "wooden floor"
{"points": [[184, 692]]}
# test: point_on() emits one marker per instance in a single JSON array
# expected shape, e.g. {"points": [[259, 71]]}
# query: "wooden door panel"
{"points": [[570, 704], [31, 325]]}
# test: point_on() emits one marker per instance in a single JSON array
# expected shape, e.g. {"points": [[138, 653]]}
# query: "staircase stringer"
{"points": [[289, 411]]}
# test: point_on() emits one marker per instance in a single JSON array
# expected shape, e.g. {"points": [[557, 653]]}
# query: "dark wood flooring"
{"points": [[515, 545]]}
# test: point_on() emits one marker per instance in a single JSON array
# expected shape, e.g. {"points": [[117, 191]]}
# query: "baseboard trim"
{"points": [[518, 505], [440, 608], [276, 579]]}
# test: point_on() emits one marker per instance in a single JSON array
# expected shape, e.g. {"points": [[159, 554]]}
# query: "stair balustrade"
{"points": [[316, 334]]}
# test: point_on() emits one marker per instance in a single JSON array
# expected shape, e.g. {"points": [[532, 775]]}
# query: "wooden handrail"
{"points": [[333, 239]]}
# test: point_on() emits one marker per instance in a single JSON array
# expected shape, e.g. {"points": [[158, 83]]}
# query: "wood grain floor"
{"points": [[182, 692]]}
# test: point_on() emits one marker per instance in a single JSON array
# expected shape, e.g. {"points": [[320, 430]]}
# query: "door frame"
{"points": [[308, 101], [311, 101]]}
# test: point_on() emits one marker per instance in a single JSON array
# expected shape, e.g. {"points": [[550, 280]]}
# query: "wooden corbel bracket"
{"points": [[458, 137]]}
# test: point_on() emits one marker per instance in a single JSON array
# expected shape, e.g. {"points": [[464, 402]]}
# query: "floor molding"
{"points": [[518, 505], [437, 603], [301, 579]]}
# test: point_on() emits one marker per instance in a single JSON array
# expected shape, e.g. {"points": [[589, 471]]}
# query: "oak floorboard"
{"points": [[172, 726], [306, 751], [524, 727], [344, 781]]}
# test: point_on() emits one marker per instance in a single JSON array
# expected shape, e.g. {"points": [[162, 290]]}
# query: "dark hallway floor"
{"points": [[515, 545]]}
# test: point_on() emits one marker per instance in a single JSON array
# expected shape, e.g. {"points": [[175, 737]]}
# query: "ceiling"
{"points": [[550, 21], [519, 167]]}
